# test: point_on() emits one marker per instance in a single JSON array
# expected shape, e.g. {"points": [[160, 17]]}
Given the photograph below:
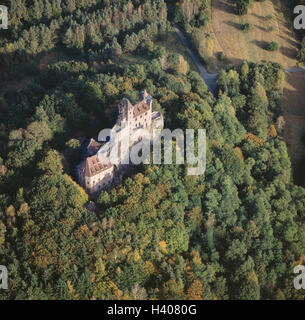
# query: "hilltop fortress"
{"points": [[95, 173]]}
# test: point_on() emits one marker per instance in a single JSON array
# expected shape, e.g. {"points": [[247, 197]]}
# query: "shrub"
{"points": [[246, 26], [272, 46], [242, 6], [301, 55], [221, 56]]}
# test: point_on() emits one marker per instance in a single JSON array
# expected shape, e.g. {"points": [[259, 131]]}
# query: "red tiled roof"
{"points": [[94, 166], [93, 146], [140, 108]]}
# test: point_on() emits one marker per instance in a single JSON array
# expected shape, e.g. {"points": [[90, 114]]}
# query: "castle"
{"points": [[95, 175]]}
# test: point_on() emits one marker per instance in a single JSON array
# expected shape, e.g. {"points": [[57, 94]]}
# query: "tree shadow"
{"points": [[260, 28], [261, 44], [289, 52], [259, 17], [233, 24], [291, 41], [289, 33], [223, 6], [225, 62], [294, 129]]}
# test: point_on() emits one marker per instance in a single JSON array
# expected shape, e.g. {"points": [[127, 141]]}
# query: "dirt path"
{"points": [[209, 78], [296, 69]]}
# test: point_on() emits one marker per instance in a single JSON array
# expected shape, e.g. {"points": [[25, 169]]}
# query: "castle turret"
{"points": [[143, 95], [125, 111], [146, 97]]}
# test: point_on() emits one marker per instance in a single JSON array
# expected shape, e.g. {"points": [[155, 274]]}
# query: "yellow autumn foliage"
{"points": [[239, 153], [256, 140], [72, 291], [136, 256], [272, 131], [83, 196], [163, 246], [149, 268], [253, 277], [196, 257], [183, 66], [195, 291]]}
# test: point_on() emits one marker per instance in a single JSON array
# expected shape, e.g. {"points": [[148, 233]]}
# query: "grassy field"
{"points": [[239, 45]]}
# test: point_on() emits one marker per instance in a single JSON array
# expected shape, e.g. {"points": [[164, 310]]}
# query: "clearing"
{"points": [[250, 45]]}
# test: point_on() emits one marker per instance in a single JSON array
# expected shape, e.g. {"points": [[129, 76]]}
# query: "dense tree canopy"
{"points": [[235, 232]]}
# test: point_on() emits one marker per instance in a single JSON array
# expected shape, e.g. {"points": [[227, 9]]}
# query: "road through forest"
{"points": [[209, 78]]}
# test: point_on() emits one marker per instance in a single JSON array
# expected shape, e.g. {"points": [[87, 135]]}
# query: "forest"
{"points": [[235, 232]]}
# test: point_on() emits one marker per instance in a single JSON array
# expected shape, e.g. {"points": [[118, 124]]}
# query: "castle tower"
{"points": [[125, 112], [147, 98]]}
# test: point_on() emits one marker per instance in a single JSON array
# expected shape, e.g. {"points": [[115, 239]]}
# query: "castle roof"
{"points": [[93, 147], [94, 166], [140, 108]]}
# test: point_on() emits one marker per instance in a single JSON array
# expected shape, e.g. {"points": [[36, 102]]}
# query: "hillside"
{"points": [[235, 231], [239, 45]]}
